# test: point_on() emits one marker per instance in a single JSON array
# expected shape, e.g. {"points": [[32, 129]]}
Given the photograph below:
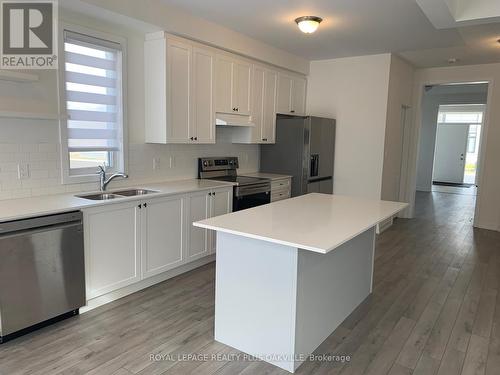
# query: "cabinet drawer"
{"points": [[280, 184], [280, 195]]}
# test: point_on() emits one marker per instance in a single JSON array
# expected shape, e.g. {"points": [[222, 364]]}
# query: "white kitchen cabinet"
{"points": [[269, 106], [298, 96], [112, 247], [132, 245], [202, 124], [202, 206], [281, 189], [163, 234], [232, 81], [221, 203], [291, 94], [264, 84], [198, 209], [179, 90]]}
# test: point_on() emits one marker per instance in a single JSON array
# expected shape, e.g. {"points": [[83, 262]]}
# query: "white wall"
{"points": [[37, 141], [431, 100], [488, 200], [400, 94], [354, 91]]}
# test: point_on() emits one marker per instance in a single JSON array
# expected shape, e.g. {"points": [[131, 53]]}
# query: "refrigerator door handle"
{"points": [[314, 168]]}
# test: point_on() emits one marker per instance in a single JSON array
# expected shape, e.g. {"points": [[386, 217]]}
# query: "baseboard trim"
{"points": [[143, 284]]}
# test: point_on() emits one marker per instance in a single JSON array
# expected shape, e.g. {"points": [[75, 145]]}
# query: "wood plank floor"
{"points": [[434, 310]]}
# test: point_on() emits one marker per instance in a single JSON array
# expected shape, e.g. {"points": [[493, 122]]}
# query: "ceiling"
{"points": [[352, 28]]}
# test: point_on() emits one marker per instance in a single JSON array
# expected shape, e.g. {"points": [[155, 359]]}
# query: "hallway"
{"points": [[434, 310]]}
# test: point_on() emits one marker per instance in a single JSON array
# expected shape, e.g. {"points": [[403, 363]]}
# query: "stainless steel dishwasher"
{"points": [[42, 272]]}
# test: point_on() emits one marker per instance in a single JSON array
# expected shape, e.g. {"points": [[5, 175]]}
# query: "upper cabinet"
{"points": [[233, 81], [179, 90], [187, 83], [291, 96], [264, 86]]}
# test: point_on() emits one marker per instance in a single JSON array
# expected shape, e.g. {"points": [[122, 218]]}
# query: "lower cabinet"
{"points": [[222, 203], [112, 247], [217, 202], [132, 241], [162, 234], [281, 189], [199, 209]]}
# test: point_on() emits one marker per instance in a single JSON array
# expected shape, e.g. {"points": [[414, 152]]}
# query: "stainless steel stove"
{"points": [[248, 191]]}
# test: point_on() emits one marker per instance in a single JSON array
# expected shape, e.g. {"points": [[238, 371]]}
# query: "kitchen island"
{"points": [[288, 273]]}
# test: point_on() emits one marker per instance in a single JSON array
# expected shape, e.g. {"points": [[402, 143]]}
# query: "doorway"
{"points": [[456, 155], [452, 119]]}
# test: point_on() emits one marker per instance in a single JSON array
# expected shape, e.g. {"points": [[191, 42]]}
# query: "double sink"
{"points": [[117, 194]]}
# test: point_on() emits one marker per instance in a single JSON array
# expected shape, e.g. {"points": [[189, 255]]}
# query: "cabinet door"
{"points": [[257, 104], [298, 96], [283, 104], [203, 121], [112, 247], [179, 92], [241, 87], [163, 235], [269, 106], [221, 203], [199, 209], [223, 84]]}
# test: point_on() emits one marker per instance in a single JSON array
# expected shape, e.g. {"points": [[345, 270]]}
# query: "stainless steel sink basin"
{"points": [[99, 196], [133, 192]]}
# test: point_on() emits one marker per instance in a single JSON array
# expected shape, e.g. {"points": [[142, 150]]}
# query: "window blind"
{"points": [[93, 93]]}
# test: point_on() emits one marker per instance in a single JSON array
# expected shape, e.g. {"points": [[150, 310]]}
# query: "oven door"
{"points": [[251, 196]]}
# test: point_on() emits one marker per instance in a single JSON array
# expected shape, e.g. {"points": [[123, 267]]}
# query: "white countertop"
{"points": [[14, 209], [271, 176], [315, 222]]}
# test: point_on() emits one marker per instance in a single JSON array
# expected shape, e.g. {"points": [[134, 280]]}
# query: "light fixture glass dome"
{"points": [[308, 24]]}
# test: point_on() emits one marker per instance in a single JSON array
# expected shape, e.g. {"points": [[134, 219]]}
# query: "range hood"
{"points": [[226, 119]]}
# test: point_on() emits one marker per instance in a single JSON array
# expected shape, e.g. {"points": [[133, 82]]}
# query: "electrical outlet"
{"points": [[156, 164], [23, 171]]}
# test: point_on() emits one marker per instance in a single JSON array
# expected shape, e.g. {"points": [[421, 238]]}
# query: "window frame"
{"points": [[66, 176]]}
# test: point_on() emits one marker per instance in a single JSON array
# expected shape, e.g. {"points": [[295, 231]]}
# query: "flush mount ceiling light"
{"points": [[308, 24]]}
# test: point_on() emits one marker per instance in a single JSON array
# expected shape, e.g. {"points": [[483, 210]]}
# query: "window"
{"points": [[457, 116], [472, 139], [93, 97]]}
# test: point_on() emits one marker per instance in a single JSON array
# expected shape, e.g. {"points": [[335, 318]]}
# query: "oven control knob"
{"points": [[205, 163]]}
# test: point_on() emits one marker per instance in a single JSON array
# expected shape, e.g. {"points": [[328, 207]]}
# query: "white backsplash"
{"points": [[35, 142]]}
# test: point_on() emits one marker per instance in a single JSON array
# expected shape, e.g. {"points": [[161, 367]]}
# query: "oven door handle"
{"points": [[242, 191]]}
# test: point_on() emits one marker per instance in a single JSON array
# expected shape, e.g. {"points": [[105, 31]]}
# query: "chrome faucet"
{"points": [[103, 181]]}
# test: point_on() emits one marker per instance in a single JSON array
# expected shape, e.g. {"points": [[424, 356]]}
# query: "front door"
{"points": [[451, 149]]}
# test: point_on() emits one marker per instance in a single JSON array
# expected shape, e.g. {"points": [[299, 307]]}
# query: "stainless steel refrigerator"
{"points": [[304, 149]]}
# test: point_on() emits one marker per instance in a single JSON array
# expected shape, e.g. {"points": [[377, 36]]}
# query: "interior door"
{"points": [[449, 157]]}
